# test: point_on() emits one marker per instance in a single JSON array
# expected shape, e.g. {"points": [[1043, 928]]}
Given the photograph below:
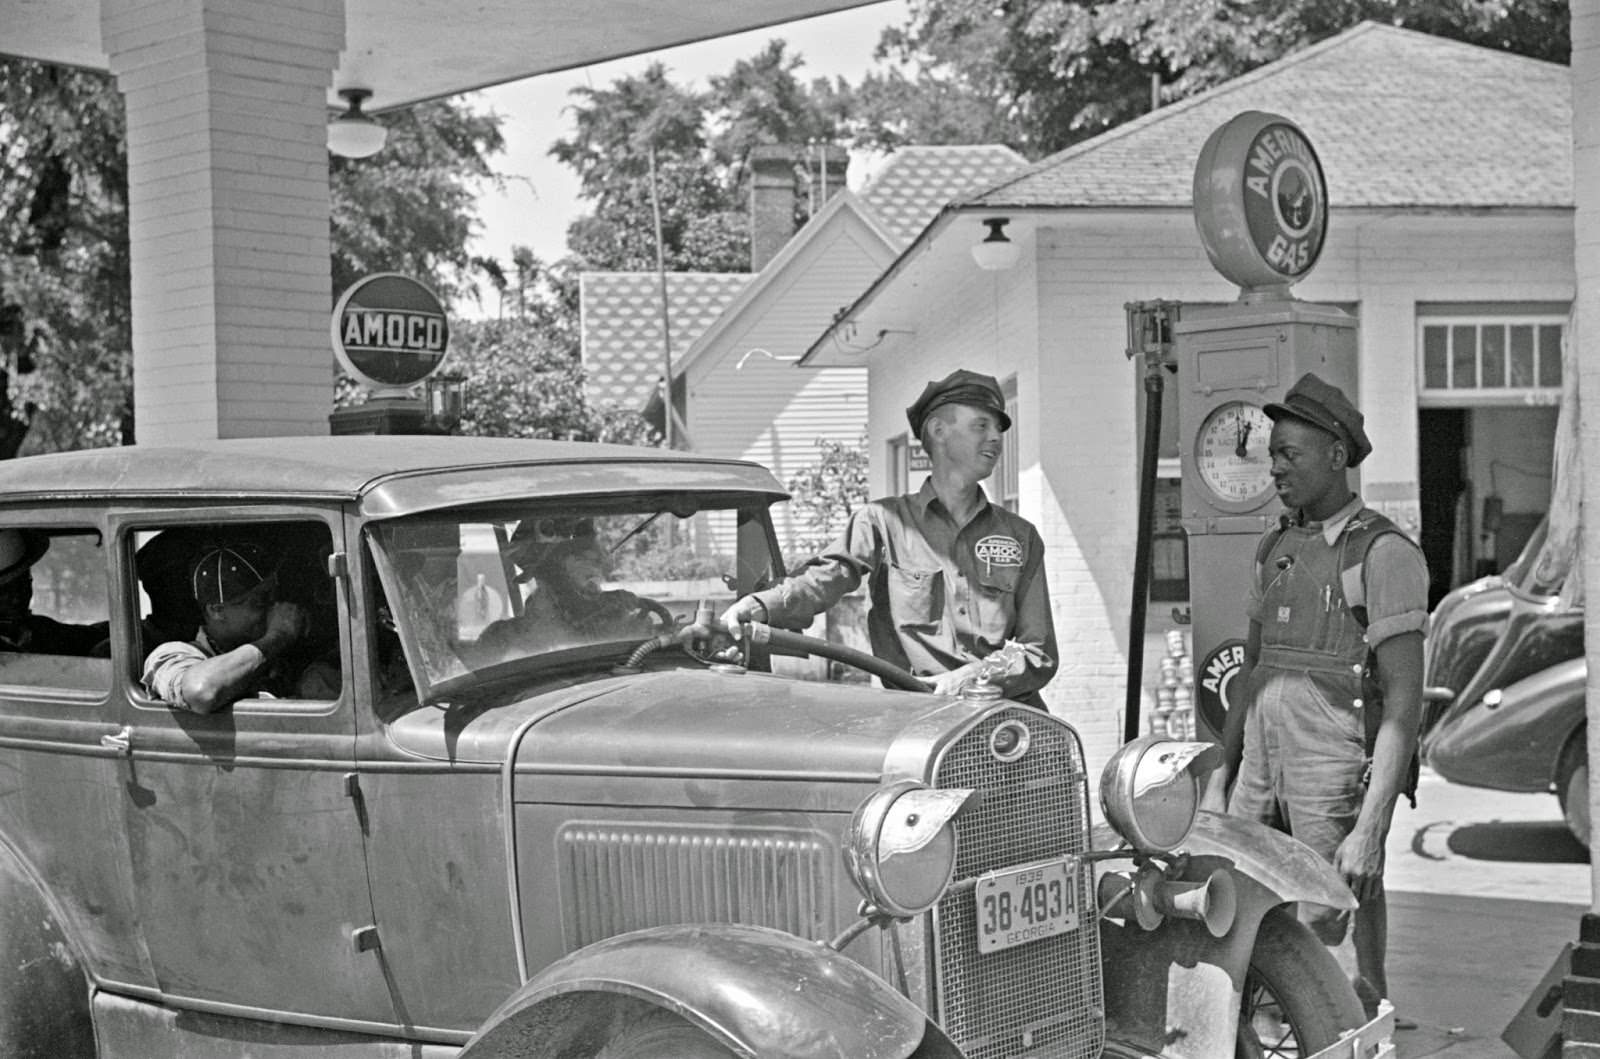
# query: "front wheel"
{"points": [[1297, 1000], [663, 1035]]}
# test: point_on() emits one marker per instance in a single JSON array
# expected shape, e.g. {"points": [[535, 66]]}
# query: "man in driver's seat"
{"points": [[568, 603]]}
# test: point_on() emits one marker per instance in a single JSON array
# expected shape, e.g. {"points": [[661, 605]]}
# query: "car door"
{"points": [[61, 776], [244, 841]]}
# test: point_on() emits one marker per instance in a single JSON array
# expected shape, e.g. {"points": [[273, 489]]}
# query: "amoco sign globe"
{"points": [[390, 332]]}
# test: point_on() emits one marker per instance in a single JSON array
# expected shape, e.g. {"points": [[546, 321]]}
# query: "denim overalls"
{"points": [[1304, 743]]}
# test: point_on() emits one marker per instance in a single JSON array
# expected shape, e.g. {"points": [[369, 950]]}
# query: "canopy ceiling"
{"points": [[410, 50]]}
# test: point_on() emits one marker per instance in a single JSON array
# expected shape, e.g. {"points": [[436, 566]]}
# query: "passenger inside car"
{"points": [[164, 563], [268, 624], [22, 630]]}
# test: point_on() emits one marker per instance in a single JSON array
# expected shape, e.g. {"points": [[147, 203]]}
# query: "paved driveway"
{"points": [[1485, 888]]}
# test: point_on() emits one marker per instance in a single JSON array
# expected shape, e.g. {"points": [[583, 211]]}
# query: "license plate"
{"points": [[1029, 903]]}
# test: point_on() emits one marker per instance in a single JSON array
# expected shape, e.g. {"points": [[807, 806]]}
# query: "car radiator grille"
{"points": [[620, 878], [1041, 999]]}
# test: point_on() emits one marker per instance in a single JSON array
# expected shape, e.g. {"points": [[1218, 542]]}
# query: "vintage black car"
{"points": [[1506, 680], [545, 814]]}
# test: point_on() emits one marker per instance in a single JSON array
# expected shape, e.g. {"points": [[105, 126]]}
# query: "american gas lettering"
{"points": [[1286, 255], [1221, 665]]}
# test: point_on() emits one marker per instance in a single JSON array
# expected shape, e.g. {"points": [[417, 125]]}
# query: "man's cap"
{"points": [[959, 387], [537, 542], [19, 550], [225, 573], [1324, 405]]}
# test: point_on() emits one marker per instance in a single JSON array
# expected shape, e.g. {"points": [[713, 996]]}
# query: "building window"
{"points": [[899, 464], [1169, 544], [1466, 360]]}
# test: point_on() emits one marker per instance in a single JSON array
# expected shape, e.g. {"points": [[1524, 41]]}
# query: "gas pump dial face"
{"points": [[1230, 453]]}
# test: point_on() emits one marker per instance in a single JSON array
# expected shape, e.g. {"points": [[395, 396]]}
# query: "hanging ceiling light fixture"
{"points": [[996, 252], [353, 134]]}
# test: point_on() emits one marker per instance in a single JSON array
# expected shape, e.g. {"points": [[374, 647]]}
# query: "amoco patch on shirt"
{"points": [[998, 550]]}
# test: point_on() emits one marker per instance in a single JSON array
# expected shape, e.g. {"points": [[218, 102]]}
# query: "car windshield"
{"points": [[472, 590]]}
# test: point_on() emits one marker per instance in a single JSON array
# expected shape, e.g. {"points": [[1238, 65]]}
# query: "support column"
{"points": [[1581, 989], [228, 212]]}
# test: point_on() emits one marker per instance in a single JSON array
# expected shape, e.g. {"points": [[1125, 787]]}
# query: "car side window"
{"points": [[54, 610], [208, 589]]}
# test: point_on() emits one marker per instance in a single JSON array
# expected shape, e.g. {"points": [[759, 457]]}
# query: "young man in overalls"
{"points": [[1314, 757]]}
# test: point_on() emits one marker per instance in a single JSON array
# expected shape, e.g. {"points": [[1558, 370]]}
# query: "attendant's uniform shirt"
{"points": [[941, 595], [1305, 737]]}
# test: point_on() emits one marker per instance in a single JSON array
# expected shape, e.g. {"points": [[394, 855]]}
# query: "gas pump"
{"points": [[1261, 207]]}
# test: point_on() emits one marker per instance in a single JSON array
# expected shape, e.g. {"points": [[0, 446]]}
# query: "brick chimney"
{"points": [[787, 185], [772, 201]]}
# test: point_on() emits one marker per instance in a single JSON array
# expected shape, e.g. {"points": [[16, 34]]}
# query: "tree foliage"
{"points": [[523, 382], [65, 320], [65, 290], [412, 207], [1044, 74], [826, 492], [695, 143]]}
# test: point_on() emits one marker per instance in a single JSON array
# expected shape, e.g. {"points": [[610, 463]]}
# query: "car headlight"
{"points": [[1150, 790], [901, 848]]}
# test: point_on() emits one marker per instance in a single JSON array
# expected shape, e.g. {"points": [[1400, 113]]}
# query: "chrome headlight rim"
{"points": [[861, 852], [1130, 811]]}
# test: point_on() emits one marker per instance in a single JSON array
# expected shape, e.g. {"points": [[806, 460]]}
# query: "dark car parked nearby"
{"points": [[1506, 677], [539, 807]]}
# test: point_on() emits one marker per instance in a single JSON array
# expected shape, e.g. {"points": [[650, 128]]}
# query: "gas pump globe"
{"points": [[1261, 207]]}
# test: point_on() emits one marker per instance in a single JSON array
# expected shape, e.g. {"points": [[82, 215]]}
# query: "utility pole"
{"points": [[666, 324]]}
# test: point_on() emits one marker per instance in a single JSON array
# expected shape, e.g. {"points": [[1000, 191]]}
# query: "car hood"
{"points": [[686, 722]]}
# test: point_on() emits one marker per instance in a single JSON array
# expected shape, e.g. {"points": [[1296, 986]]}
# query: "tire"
{"points": [[663, 1035], [1296, 1000], [1572, 785]]}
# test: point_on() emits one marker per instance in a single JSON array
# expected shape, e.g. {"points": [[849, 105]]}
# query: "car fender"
{"points": [[1511, 738], [754, 990], [1199, 979], [44, 988]]}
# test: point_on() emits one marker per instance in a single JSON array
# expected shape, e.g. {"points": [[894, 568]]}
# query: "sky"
{"points": [[540, 197]]}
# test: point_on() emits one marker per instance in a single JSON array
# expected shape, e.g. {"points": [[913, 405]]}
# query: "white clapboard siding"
{"points": [[747, 397]]}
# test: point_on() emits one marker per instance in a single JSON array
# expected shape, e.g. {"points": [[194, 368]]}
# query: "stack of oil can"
{"points": [[1174, 709]]}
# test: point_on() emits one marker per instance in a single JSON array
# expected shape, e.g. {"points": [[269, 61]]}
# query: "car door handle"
{"points": [[121, 740]]}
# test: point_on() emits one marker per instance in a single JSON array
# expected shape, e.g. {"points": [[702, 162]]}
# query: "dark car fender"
{"points": [[44, 989], [1176, 989], [1512, 741], [754, 990]]}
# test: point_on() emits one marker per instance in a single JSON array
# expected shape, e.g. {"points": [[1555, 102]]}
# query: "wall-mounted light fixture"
{"points": [[353, 134], [996, 252]]}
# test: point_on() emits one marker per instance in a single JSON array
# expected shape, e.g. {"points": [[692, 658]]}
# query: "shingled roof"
{"points": [[1399, 119], [622, 312], [622, 326], [916, 182]]}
